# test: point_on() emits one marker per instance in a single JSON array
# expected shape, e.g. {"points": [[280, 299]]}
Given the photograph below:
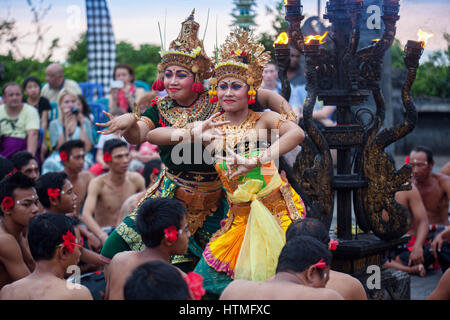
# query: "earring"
{"points": [[251, 91], [197, 86], [212, 91]]}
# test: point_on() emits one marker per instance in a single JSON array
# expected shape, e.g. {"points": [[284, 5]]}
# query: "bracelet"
{"points": [[148, 122]]}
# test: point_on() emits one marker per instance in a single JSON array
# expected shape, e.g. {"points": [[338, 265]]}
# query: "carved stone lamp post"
{"points": [[342, 75]]}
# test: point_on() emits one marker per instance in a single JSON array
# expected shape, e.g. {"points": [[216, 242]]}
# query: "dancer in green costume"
{"points": [[192, 180]]}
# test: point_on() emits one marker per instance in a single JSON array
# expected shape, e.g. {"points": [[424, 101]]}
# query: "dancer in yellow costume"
{"points": [[262, 204], [184, 66]]}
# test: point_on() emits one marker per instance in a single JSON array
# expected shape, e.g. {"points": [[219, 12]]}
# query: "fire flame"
{"points": [[316, 37], [423, 37], [282, 38], [376, 40]]}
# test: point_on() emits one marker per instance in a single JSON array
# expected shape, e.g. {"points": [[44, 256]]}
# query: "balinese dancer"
{"points": [[261, 204], [182, 69]]}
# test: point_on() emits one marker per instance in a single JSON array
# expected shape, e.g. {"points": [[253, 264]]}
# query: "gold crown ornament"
{"points": [[243, 58], [186, 51]]}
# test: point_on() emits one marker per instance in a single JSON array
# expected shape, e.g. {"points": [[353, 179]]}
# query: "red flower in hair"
{"points": [[155, 171], [195, 285], [320, 264], [69, 241], [7, 203], [332, 245], [63, 156], [107, 157], [53, 193], [407, 159], [171, 233]]}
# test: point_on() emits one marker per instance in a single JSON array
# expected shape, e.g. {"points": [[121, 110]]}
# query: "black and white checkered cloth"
{"points": [[101, 45]]}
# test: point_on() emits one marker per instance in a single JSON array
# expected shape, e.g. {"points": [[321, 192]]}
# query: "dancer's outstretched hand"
{"points": [[116, 124], [201, 127], [237, 165]]}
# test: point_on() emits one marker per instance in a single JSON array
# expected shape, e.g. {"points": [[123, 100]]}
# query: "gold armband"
{"points": [[148, 122]]}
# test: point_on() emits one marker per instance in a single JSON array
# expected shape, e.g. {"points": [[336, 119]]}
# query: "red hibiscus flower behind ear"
{"points": [[63, 156], [69, 241], [171, 233], [155, 171], [321, 264], [53, 193], [7, 203], [195, 285], [107, 157], [332, 245]]}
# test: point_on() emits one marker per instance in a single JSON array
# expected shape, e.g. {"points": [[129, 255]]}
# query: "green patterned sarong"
{"points": [[125, 237]]}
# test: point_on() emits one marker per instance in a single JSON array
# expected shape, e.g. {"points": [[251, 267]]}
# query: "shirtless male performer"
{"points": [[156, 218], [55, 246], [349, 287], [107, 193], [73, 167], [415, 256], [434, 188], [18, 204], [303, 271]]}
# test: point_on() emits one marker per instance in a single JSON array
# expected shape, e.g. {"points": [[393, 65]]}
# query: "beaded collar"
{"points": [[174, 115]]}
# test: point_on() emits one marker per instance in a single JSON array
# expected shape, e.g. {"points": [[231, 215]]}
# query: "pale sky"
{"points": [[137, 21]]}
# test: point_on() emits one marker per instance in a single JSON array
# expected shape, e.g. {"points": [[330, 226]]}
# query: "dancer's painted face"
{"points": [[232, 94], [178, 83]]}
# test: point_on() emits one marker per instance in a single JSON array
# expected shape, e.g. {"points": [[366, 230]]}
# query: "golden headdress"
{"points": [[186, 51], [241, 57]]}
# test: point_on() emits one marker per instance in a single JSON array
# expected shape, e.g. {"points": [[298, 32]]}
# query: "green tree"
{"points": [[143, 60], [279, 25], [433, 75]]}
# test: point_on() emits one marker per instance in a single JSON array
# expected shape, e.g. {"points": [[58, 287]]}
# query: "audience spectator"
{"points": [[26, 163], [123, 92], [19, 123], [55, 246], [32, 89], [349, 287], [6, 167], [56, 82], [74, 155], [302, 273], [70, 125], [84, 108], [106, 193], [156, 280], [150, 172], [295, 71], [19, 203], [298, 95], [162, 225]]}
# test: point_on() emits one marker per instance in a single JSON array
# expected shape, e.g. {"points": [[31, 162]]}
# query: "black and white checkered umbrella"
{"points": [[101, 50]]}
